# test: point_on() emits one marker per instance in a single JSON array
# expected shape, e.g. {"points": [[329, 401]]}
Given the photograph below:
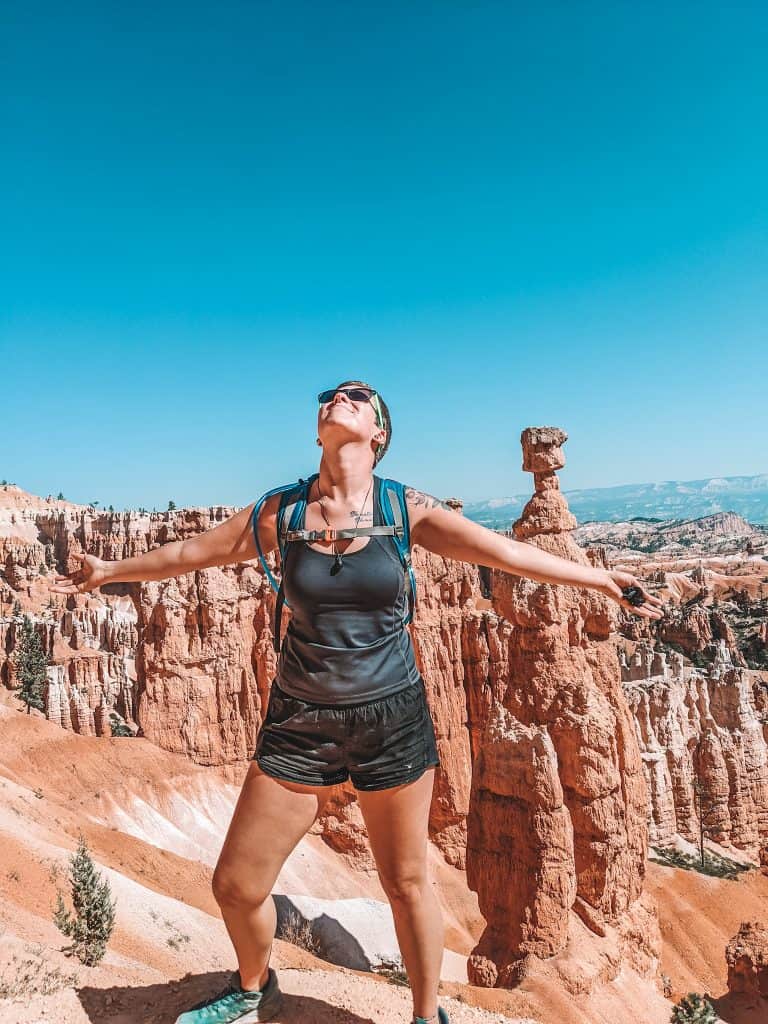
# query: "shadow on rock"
{"points": [[161, 1004], [741, 1008]]}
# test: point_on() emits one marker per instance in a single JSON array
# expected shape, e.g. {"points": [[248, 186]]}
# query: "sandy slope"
{"points": [[155, 823], [698, 917]]}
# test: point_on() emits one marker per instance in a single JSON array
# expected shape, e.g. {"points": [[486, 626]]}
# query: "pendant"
{"points": [[337, 564]]}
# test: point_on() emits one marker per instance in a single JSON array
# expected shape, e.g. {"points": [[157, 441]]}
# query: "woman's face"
{"points": [[343, 417]]}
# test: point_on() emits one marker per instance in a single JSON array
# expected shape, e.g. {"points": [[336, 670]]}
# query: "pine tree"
{"points": [[693, 1009], [30, 668], [16, 609], [118, 727], [91, 925]]}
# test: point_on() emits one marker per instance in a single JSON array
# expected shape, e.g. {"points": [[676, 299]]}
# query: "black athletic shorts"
{"points": [[378, 743]]}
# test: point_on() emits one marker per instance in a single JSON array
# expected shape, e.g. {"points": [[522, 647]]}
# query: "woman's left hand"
{"points": [[617, 580]]}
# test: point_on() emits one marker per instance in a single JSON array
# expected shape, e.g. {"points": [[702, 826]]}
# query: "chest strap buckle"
{"points": [[327, 534]]}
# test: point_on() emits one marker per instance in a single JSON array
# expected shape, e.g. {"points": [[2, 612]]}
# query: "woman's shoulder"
{"points": [[270, 502], [287, 491], [419, 503]]}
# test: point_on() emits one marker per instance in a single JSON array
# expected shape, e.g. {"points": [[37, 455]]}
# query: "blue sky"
{"points": [[501, 215]]}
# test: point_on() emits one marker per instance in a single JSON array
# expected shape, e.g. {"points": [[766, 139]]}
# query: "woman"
{"points": [[347, 700]]}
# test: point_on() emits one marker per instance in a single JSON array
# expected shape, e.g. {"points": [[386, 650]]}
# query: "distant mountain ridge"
{"points": [[747, 496]]}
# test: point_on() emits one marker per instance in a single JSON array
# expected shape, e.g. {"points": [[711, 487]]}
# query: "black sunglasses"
{"points": [[356, 394]]}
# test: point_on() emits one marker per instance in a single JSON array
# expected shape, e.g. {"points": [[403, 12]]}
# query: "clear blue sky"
{"points": [[499, 214]]}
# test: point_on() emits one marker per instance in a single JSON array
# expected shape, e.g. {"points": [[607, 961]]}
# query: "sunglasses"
{"points": [[357, 395]]}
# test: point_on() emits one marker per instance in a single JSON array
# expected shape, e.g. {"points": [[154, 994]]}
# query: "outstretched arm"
{"points": [[437, 527], [230, 542]]}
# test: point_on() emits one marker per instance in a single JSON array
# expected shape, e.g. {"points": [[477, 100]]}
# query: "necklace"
{"points": [[338, 560]]}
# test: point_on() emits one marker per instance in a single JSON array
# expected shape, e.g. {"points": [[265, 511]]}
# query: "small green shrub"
{"points": [[693, 1009], [714, 865], [91, 924], [117, 726]]}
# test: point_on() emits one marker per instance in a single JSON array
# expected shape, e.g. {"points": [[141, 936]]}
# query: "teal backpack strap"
{"points": [[290, 513], [395, 513], [293, 501], [254, 526]]}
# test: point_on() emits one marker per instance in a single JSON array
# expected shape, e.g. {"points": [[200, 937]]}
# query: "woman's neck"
{"points": [[344, 478]]}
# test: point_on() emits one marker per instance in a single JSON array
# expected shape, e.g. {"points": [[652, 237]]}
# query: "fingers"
{"points": [[651, 606], [649, 613], [649, 602], [70, 588], [75, 582], [649, 597], [639, 609]]}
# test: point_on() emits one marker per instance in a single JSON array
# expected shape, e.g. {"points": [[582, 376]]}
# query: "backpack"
{"points": [[293, 500]]}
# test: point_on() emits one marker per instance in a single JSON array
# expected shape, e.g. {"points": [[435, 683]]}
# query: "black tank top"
{"points": [[346, 642]]}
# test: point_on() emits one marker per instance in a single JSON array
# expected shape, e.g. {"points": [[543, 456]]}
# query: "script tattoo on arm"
{"points": [[419, 498]]}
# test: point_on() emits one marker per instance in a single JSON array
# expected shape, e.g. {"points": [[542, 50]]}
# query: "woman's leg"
{"points": [[270, 818], [396, 820]]}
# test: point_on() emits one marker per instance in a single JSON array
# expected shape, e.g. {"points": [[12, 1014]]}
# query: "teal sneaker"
{"points": [[442, 1018], [234, 1003]]}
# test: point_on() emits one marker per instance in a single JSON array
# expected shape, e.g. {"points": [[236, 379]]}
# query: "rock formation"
{"points": [[558, 807], [747, 958], [699, 629]]}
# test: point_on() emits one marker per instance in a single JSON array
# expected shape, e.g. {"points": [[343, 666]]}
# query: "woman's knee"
{"points": [[233, 886], [406, 887]]}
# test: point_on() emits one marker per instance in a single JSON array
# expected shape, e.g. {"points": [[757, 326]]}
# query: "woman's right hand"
{"points": [[90, 574]]}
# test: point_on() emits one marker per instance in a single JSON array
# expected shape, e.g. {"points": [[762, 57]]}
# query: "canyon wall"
{"points": [[706, 729]]}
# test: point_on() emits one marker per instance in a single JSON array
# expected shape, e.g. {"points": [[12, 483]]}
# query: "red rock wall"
{"points": [[696, 726]]}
